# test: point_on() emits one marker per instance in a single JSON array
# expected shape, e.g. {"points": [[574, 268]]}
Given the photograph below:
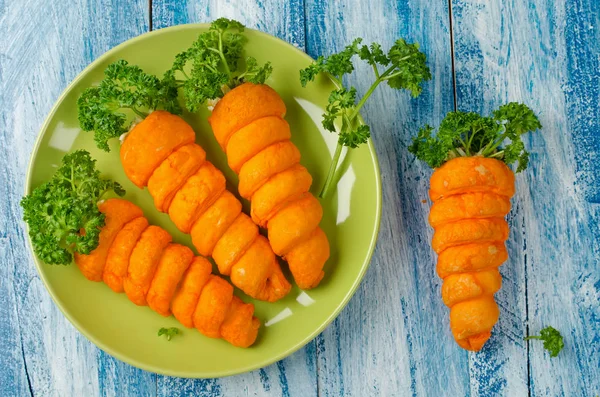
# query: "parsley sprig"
{"points": [[63, 214], [126, 92], [402, 67], [169, 332], [470, 134], [211, 66], [553, 340]]}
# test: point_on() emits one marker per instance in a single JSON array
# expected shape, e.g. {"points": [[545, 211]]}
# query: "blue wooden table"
{"points": [[393, 338]]}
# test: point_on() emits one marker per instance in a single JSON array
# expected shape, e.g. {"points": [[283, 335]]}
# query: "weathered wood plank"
{"points": [[393, 338], [44, 46], [545, 54], [296, 375], [282, 19]]}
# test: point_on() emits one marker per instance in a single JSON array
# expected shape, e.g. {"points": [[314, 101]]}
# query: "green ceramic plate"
{"points": [[351, 220]]}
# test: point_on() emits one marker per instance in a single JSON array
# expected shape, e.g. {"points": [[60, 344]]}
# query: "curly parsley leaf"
{"points": [[212, 63], [125, 92], [169, 332], [405, 68], [470, 134], [62, 214], [553, 340]]}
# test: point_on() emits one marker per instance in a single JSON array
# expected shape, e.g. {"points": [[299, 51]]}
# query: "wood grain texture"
{"points": [[545, 54], [44, 45], [296, 375], [393, 338]]}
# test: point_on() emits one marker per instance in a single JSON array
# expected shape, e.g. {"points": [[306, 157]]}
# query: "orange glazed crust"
{"points": [[150, 142], [234, 243], [213, 306], [143, 262], [471, 257], [294, 223], [471, 174], [213, 223], [118, 212], [240, 328], [119, 253], [173, 172], [195, 196], [471, 321], [256, 136], [277, 192], [468, 205], [265, 281], [186, 297], [271, 161], [306, 260], [174, 262], [469, 231], [242, 105]]}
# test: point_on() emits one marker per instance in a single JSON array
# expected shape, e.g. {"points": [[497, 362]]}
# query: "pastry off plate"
{"points": [[351, 220]]}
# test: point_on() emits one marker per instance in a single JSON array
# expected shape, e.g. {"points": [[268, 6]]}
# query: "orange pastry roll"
{"points": [[470, 199], [186, 298], [281, 189], [173, 172], [213, 305], [212, 224], [255, 137], [118, 213], [143, 263], [265, 164], [249, 102], [150, 142], [248, 123], [240, 327], [195, 196], [174, 262], [117, 260], [234, 242]]}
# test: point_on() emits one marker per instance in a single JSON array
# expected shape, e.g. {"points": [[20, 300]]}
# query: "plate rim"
{"points": [[165, 371]]}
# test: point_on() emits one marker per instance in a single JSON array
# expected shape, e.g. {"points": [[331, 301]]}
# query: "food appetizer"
{"points": [[111, 240], [471, 189], [248, 122], [159, 152]]}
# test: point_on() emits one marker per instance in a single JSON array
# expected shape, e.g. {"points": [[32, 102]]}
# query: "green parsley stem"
{"points": [[139, 112], [223, 56], [376, 71], [332, 169], [364, 98]]}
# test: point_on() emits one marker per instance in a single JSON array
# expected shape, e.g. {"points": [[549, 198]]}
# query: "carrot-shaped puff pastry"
{"points": [[168, 278], [247, 121], [471, 189], [69, 218], [92, 265], [271, 177], [159, 152]]}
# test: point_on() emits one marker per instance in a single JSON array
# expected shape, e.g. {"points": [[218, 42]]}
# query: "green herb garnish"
{"points": [[169, 332], [468, 134], [553, 340], [403, 67], [126, 92], [63, 214], [211, 66]]}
